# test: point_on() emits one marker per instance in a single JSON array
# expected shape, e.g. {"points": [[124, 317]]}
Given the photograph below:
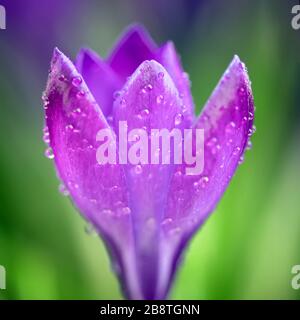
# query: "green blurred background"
{"points": [[248, 246]]}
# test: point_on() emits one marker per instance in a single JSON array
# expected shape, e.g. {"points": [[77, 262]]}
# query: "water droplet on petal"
{"points": [[201, 184], [125, 211], [178, 174], [241, 160], [166, 221], [122, 102], [250, 116], [90, 229], [107, 212], [230, 127], [138, 169], [249, 145], [69, 127], [116, 94], [76, 81], [160, 75], [241, 91], [80, 94], [159, 99], [149, 87], [49, 153], [204, 181], [236, 151], [63, 190], [62, 78], [245, 119], [46, 138], [145, 112], [178, 119]]}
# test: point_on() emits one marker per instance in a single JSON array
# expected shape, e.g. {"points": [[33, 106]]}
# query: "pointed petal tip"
{"points": [[83, 54], [136, 27]]}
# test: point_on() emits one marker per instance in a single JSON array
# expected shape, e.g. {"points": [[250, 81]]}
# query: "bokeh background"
{"points": [[248, 246]]}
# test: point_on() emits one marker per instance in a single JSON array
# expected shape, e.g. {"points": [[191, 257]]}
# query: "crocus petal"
{"points": [[168, 57], [227, 120], [102, 81], [134, 47], [73, 119], [149, 94]]}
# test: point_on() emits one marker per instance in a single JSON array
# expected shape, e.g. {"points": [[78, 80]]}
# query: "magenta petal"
{"points": [[73, 119], [102, 81], [169, 58], [134, 47], [149, 100], [227, 121]]}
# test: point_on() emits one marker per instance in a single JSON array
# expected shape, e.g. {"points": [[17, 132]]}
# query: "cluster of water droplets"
{"points": [[213, 145], [201, 184]]}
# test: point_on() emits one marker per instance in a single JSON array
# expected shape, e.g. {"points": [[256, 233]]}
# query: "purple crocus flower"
{"points": [[145, 213]]}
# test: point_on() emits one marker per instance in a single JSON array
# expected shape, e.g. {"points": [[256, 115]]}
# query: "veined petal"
{"points": [[102, 81], [149, 101], [134, 47], [227, 120], [73, 119], [169, 58]]}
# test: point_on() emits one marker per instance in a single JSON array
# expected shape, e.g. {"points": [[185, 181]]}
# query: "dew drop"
{"points": [[250, 116], [116, 94], [241, 91], [80, 94], [201, 184], [229, 142], [230, 127], [107, 212], [62, 78], [63, 190], [69, 127], [204, 181], [178, 119], [49, 153], [138, 169], [241, 160], [76, 81], [90, 229], [122, 102], [149, 87], [249, 145], [125, 211], [159, 99], [160, 75], [145, 112], [178, 174], [166, 221], [245, 119], [236, 151], [46, 130], [46, 138]]}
